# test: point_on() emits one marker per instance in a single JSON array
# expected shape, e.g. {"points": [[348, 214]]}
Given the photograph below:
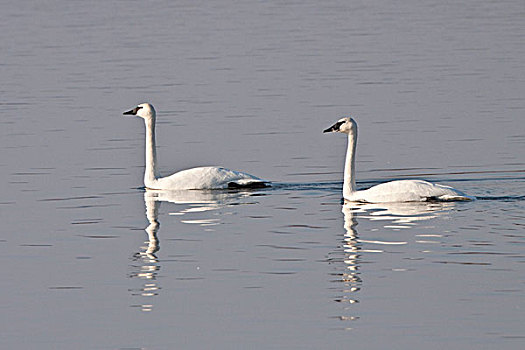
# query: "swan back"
{"points": [[407, 191], [203, 178]]}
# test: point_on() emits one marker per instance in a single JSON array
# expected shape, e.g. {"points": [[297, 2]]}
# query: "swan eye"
{"points": [[337, 125], [137, 109]]}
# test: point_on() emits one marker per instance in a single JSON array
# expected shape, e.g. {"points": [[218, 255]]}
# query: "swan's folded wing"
{"points": [[408, 191], [207, 178]]}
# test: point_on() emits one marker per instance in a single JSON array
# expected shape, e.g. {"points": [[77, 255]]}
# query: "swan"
{"points": [[389, 192], [201, 178]]}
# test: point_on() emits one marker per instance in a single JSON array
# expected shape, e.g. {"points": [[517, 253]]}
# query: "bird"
{"points": [[389, 192], [200, 178]]}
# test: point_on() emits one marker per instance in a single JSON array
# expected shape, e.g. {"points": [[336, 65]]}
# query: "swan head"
{"points": [[344, 125], [144, 110]]}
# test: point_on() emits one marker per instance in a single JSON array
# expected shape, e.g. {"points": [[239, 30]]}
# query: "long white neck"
{"points": [[349, 178], [150, 174]]}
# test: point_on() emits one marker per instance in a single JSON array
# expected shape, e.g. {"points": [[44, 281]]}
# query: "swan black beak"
{"points": [[333, 128], [132, 112]]}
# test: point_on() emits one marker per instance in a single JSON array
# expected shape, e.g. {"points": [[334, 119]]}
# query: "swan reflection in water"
{"points": [[147, 264], [354, 249]]}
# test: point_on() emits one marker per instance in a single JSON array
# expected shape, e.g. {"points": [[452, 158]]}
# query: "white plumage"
{"points": [[393, 191], [191, 179], [203, 178], [407, 191]]}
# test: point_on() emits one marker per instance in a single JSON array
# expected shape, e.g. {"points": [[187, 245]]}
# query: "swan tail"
{"points": [[252, 184], [452, 198]]}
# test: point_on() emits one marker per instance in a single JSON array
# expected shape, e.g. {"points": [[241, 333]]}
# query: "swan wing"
{"points": [[210, 177], [408, 191]]}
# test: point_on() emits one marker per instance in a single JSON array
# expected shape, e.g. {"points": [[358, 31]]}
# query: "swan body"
{"points": [[389, 192], [406, 191], [204, 178], [201, 178]]}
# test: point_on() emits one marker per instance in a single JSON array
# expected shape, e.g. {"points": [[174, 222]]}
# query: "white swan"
{"points": [[190, 179], [394, 191]]}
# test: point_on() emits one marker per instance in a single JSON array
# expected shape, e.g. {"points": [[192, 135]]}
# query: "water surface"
{"points": [[91, 260]]}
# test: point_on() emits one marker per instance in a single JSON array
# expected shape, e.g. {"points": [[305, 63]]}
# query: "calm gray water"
{"points": [[92, 261]]}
